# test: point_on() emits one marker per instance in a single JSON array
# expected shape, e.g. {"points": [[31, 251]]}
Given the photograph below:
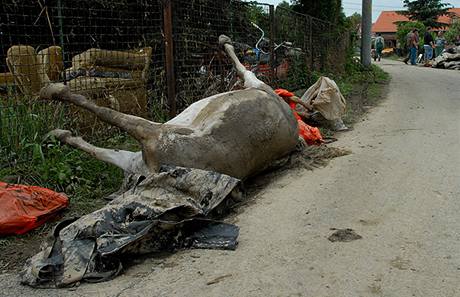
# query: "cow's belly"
{"points": [[239, 141], [187, 117]]}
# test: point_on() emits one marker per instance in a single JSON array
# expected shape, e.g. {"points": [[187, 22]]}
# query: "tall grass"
{"points": [[29, 156], [23, 124]]}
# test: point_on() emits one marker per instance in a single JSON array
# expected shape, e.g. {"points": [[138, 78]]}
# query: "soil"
{"points": [[15, 250]]}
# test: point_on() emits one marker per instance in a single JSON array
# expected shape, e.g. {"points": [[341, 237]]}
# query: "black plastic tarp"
{"points": [[165, 211]]}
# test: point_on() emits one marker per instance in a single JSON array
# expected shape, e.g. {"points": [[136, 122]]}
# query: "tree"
{"points": [[453, 34], [284, 5], [426, 11], [257, 14], [354, 21], [328, 10], [352, 24], [405, 27]]}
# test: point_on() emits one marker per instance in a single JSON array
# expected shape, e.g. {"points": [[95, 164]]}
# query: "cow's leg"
{"points": [[226, 42], [249, 79], [130, 162], [141, 129]]}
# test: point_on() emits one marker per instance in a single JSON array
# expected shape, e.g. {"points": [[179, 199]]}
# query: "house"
{"points": [[386, 24]]}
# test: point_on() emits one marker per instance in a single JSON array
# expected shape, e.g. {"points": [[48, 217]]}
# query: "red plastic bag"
{"points": [[311, 135], [24, 208]]}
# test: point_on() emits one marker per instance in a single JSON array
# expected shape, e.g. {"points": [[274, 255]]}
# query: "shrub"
{"points": [[405, 27], [452, 35]]}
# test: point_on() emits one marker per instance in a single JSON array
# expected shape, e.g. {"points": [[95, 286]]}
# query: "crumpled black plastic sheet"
{"points": [[164, 212]]}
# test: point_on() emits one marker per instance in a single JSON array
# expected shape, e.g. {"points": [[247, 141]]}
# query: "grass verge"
{"points": [[28, 156]]}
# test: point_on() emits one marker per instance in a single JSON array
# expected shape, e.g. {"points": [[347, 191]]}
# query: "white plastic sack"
{"points": [[324, 96]]}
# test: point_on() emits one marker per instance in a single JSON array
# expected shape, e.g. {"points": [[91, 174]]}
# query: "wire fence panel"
{"points": [[143, 57], [201, 66], [294, 54], [112, 52]]}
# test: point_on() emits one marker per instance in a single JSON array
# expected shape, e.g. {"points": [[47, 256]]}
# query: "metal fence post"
{"points": [[169, 57], [329, 45], [272, 41], [305, 42], [61, 34], [312, 59]]}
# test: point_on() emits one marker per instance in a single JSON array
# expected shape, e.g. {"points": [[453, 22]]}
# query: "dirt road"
{"points": [[399, 190]]}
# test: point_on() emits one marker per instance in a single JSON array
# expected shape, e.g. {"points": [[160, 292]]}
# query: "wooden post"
{"points": [[169, 57]]}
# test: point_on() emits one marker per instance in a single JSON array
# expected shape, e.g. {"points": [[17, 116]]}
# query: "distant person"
{"points": [[440, 43], [398, 49], [414, 40], [407, 46], [428, 45], [379, 45]]}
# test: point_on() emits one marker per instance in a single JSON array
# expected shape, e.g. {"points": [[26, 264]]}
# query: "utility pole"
{"points": [[366, 28]]}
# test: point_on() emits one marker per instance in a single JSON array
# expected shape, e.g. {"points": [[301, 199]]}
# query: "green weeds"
{"points": [[29, 156]]}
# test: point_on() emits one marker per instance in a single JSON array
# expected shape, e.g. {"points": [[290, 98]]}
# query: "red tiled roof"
{"points": [[447, 19], [386, 21]]}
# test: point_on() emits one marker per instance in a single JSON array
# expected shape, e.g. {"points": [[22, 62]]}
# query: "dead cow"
{"points": [[237, 133]]}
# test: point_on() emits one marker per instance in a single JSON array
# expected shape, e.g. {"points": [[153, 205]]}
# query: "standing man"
{"points": [[379, 44], [407, 46], [414, 46], [440, 43], [428, 45]]}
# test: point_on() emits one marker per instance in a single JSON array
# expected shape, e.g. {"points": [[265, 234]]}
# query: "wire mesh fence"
{"points": [[150, 58]]}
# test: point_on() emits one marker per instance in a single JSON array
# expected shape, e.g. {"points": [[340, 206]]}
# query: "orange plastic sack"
{"points": [[311, 135], [24, 208]]}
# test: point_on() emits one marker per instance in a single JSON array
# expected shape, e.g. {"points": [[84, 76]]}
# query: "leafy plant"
{"points": [[405, 27], [453, 34], [84, 179], [23, 122], [426, 11], [28, 156], [328, 10]]}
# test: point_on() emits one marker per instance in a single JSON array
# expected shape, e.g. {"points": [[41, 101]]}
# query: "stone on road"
{"points": [[399, 190]]}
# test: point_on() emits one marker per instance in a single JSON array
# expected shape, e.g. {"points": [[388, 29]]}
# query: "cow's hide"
{"points": [[162, 212]]}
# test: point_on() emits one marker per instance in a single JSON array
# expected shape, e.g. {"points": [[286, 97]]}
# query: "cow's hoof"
{"points": [[55, 91], [224, 39], [62, 135]]}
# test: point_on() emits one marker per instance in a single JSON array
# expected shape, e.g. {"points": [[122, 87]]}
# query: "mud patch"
{"points": [[218, 279], [15, 250], [312, 157], [305, 157], [344, 235], [376, 288], [369, 222], [400, 263]]}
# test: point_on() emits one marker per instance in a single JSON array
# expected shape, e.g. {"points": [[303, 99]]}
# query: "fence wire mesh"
{"points": [[115, 54]]}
